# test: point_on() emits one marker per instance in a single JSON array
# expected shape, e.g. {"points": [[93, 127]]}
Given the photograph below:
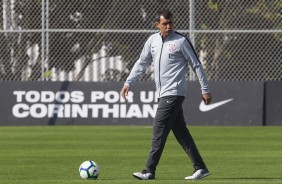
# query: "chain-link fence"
{"points": [[91, 40]]}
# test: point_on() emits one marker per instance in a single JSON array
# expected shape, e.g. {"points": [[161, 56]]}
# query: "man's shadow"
{"points": [[64, 87]]}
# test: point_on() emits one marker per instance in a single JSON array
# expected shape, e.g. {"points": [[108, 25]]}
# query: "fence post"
{"points": [[192, 33], [46, 59], [42, 39]]}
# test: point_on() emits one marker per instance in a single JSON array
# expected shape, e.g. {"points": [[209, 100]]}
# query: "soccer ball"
{"points": [[89, 170]]}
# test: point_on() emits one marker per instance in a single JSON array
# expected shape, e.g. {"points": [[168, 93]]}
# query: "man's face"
{"points": [[165, 26]]}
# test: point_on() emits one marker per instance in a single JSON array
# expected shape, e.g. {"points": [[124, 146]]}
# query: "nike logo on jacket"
{"points": [[171, 58]]}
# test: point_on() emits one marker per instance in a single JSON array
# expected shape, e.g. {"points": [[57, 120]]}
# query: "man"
{"points": [[171, 52]]}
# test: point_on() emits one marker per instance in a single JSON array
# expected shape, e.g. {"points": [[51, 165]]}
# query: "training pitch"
{"points": [[52, 154]]}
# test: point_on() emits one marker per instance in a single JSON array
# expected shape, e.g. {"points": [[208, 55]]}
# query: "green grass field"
{"points": [[52, 154]]}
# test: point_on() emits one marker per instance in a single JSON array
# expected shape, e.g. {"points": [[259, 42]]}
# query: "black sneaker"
{"points": [[144, 175], [198, 174]]}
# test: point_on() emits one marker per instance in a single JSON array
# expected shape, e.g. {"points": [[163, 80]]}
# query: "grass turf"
{"points": [[52, 154]]}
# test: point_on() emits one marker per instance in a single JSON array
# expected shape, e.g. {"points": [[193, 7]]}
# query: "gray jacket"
{"points": [[170, 58]]}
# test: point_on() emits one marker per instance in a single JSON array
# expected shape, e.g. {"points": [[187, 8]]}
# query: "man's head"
{"points": [[164, 22]]}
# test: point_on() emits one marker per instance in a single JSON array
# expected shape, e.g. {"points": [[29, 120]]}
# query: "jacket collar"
{"points": [[172, 32]]}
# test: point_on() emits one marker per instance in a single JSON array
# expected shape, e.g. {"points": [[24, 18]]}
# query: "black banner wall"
{"points": [[273, 103], [88, 103], [233, 103], [76, 103]]}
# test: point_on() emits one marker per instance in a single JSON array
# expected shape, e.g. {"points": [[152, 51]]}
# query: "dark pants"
{"points": [[169, 116]]}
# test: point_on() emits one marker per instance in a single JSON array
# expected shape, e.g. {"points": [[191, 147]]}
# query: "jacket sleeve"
{"points": [[194, 62], [141, 64]]}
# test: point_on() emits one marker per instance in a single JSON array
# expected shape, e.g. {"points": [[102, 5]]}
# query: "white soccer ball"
{"points": [[89, 170]]}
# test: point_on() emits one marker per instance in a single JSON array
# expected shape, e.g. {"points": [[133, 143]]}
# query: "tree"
{"points": [[227, 58]]}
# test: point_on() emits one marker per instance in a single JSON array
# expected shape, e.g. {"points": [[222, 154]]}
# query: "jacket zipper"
{"points": [[160, 67]]}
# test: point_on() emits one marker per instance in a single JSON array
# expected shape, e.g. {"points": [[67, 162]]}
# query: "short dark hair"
{"points": [[165, 13]]}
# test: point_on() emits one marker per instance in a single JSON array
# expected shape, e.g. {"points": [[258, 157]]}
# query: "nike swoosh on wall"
{"points": [[204, 108]]}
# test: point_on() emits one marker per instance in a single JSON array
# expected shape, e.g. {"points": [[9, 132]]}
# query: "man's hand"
{"points": [[207, 98], [124, 91]]}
